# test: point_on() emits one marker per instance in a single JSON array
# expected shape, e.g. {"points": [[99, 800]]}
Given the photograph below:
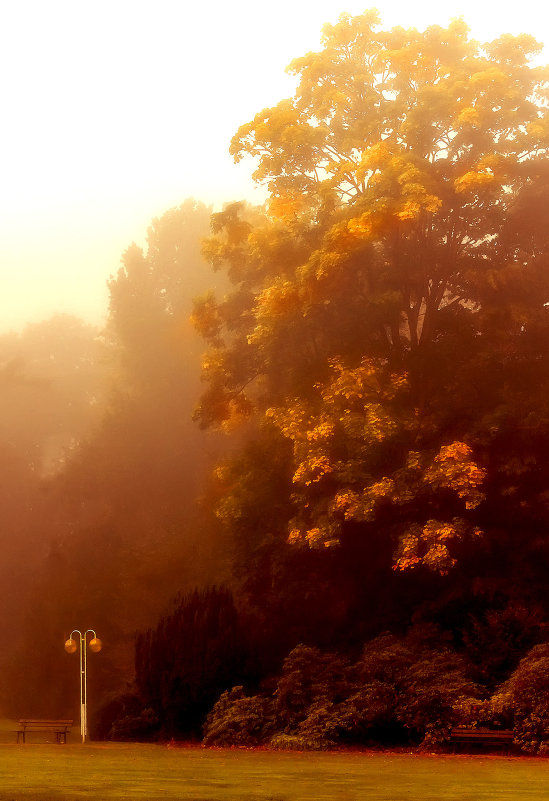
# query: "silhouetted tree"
{"points": [[195, 653]]}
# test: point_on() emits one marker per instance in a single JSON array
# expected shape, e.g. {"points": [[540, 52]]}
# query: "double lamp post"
{"points": [[71, 646]]}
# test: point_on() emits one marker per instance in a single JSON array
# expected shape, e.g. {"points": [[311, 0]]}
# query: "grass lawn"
{"points": [[48, 772]]}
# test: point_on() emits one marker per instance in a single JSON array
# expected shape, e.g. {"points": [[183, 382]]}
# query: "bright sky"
{"points": [[114, 111]]}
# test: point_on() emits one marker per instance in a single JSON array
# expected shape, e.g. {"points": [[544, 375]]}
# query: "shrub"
{"points": [[323, 724], [431, 688], [297, 742], [309, 674], [399, 690], [526, 693], [143, 726], [122, 716], [239, 720], [419, 684]]}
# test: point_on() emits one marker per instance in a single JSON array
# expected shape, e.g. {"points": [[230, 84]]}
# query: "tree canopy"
{"points": [[388, 319]]}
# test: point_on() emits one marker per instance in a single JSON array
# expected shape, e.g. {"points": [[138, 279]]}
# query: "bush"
{"points": [[526, 693], [420, 684], [399, 690], [308, 674], [239, 720], [297, 742], [123, 716], [432, 687], [141, 727], [323, 724]]}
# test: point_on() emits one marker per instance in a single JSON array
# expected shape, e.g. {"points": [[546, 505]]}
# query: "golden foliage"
{"points": [[336, 440]]}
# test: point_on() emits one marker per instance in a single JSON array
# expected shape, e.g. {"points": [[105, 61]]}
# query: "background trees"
{"points": [[52, 390], [112, 523]]}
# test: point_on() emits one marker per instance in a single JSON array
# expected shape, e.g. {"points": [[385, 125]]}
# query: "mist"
{"points": [[296, 422]]}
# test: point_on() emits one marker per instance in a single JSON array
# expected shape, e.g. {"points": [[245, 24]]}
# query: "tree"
{"points": [[115, 526], [195, 653], [52, 389], [388, 318]]}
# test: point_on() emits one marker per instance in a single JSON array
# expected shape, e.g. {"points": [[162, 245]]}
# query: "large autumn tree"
{"points": [[388, 329]]}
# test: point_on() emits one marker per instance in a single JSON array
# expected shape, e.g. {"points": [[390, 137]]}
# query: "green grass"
{"points": [[39, 771]]}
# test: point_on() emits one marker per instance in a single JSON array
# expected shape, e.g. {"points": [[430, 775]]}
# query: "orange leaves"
{"points": [[370, 380], [454, 469], [436, 96], [430, 544], [277, 299], [286, 207], [473, 181], [338, 440], [468, 116], [313, 469], [206, 318]]}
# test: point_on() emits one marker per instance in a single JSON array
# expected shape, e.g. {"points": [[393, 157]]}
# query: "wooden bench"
{"points": [[483, 737], [59, 727]]}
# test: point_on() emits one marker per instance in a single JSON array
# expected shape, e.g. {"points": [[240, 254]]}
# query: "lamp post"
{"points": [[70, 647]]}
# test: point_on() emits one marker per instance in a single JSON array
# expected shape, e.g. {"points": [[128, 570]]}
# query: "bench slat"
{"points": [[482, 736]]}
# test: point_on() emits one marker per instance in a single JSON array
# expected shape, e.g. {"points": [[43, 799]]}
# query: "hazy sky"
{"points": [[115, 111]]}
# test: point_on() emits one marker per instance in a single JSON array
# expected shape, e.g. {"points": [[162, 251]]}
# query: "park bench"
{"points": [[59, 727], [501, 738]]}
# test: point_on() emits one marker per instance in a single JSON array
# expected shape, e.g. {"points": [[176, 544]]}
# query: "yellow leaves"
{"points": [[310, 441], [431, 203], [368, 94], [430, 544], [322, 432], [410, 210], [312, 470], [206, 318], [473, 180], [353, 505], [213, 362], [489, 78], [408, 553], [362, 227], [347, 503], [368, 381], [405, 186], [278, 300], [454, 469], [320, 536], [314, 537], [539, 131], [378, 424], [285, 207], [468, 116], [492, 162], [294, 536], [491, 172], [374, 158]]}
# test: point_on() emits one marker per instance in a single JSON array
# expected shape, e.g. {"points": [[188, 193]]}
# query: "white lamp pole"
{"points": [[70, 647]]}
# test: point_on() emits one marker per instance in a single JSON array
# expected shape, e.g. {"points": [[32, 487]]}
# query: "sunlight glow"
{"points": [[116, 111]]}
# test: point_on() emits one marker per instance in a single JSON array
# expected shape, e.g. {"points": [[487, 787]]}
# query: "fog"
{"points": [[115, 113], [119, 118]]}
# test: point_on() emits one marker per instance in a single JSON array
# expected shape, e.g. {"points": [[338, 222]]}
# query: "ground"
{"points": [[134, 772]]}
